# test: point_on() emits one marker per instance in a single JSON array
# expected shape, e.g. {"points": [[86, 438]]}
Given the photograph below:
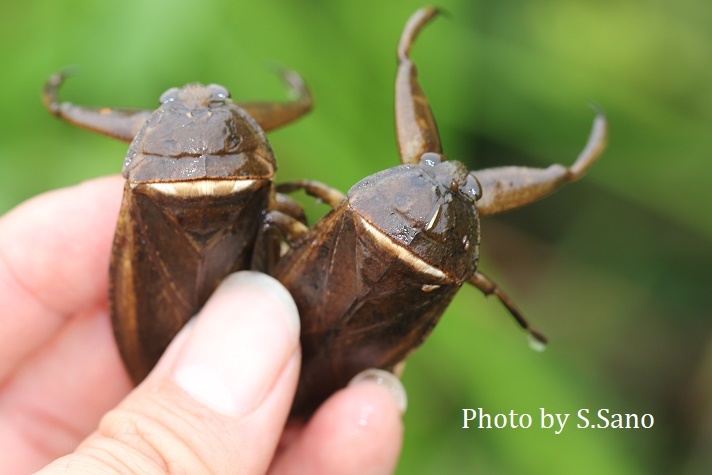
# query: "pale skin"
{"points": [[217, 401]]}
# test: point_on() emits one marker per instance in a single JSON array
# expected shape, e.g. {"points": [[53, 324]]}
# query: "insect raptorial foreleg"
{"points": [[416, 130], [330, 196], [271, 115], [505, 188], [488, 287], [122, 124]]}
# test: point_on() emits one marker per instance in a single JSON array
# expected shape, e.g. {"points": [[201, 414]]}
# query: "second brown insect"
{"points": [[372, 278]]}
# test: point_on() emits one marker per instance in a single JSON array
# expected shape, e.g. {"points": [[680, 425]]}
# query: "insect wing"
{"points": [[361, 304], [170, 253]]}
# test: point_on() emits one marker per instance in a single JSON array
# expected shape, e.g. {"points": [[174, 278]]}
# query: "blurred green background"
{"points": [[614, 269]]}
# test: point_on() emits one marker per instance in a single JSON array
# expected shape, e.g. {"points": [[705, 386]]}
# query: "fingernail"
{"points": [[242, 340], [387, 380]]}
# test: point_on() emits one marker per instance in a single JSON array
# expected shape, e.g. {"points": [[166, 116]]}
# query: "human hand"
{"points": [[215, 403]]}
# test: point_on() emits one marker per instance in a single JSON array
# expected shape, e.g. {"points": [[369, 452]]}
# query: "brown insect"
{"points": [[373, 276], [199, 178]]}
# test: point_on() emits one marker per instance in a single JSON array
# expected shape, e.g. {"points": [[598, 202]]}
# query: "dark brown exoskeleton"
{"points": [[372, 278], [199, 179]]}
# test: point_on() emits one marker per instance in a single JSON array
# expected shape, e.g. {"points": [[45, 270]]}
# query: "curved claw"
{"points": [[505, 188], [416, 131], [49, 92], [297, 88], [597, 141], [415, 23], [122, 124], [271, 115]]}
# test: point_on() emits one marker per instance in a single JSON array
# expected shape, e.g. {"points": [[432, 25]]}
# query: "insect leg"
{"points": [[271, 115], [488, 287], [277, 227], [287, 205], [290, 228], [416, 130], [505, 188], [122, 124], [328, 195], [285, 223]]}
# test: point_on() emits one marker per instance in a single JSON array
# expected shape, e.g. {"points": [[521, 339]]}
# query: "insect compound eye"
{"points": [[472, 188], [431, 159], [218, 93], [169, 96]]}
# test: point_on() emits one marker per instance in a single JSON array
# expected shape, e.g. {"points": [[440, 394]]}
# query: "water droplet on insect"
{"points": [[169, 96], [430, 159]]}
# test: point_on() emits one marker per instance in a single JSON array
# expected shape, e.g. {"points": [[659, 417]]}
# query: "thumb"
{"points": [[218, 399]]}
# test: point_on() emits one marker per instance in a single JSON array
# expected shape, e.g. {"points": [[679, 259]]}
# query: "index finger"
{"points": [[54, 261]]}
